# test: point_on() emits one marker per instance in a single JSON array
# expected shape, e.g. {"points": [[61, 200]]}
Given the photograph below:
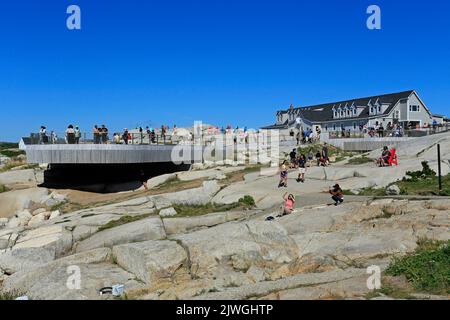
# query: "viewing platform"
{"points": [[106, 153]]}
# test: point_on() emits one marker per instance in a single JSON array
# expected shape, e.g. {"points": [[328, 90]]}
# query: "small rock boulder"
{"points": [[153, 261], [24, 259], [393, 190], [38, 211], [37, 219], [168, 212], [142, 230], [24, 216], [54, 214]]}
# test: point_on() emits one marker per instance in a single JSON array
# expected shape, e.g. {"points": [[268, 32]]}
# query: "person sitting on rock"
{"points": [[288, 205], [337, 194], [383, 161], [143, 179]]}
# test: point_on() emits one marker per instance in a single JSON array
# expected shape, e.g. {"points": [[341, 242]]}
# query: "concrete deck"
{"points": [[105, 153]]}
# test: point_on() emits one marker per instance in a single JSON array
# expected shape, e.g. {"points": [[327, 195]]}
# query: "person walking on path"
{"points": [[325, 153], [301, 168]]}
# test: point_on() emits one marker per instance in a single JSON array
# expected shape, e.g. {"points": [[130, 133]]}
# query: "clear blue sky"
{"points": [[229, 61]]}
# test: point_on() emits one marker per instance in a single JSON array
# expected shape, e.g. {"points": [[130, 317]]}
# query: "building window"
{"points": [[379, 108], [354, 125], [334, 126], [414, 108], [371, 110], [396, 114]]}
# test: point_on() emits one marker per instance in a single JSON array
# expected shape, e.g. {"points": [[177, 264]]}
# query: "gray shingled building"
{"points": [[404, 108]]}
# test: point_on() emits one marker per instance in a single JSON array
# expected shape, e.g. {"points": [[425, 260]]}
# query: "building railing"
{"points": [[372, 133]]}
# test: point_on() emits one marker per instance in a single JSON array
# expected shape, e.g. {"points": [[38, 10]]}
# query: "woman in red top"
{"points": [[288, 205]]}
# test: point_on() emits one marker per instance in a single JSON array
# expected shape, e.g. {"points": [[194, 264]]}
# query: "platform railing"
{"points": [[91, 138]]}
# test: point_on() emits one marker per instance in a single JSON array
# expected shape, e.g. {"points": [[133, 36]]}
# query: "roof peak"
{"points": [[409, 92]]}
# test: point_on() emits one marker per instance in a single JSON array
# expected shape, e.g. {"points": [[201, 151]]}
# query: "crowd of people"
{"points": [[140, 135], [306, 136], [301, 162]]}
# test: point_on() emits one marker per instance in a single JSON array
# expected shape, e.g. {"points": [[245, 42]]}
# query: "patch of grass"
{"points": [[427, 269], [247, 201], [123, 220], [359, 160], [395, 292], [3, 188], [10, 295], [425, 187], [12, 164], [12, 153], [57, 206], [424, 182], [372, 294], [8, 145], [198, 210], [420, 183], [376, 192]]}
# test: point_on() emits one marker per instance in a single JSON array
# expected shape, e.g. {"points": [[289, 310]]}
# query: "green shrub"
{"points": [[427, 269], [8, 145], [3, 188], [10, 295], [359, 160], [425, 173], [12, 153], [247, 201]]}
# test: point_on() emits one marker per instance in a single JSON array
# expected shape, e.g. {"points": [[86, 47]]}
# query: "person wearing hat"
{"points": [[337, 194], [288, 206]]}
